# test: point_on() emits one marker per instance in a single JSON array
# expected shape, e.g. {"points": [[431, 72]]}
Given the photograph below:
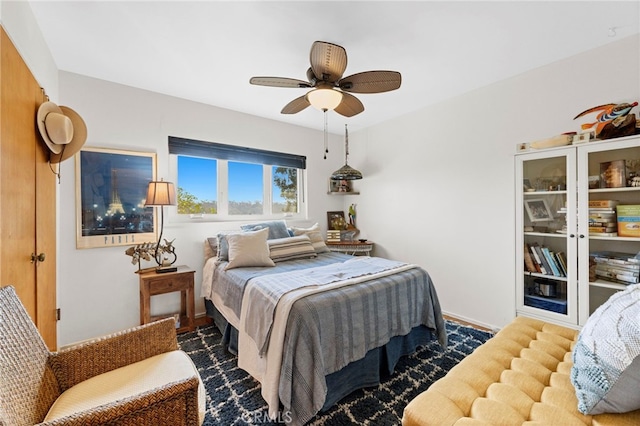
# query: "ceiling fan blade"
{"points": [[328, 61], [371, 82], [349, 106], [296, 105], [279, 82]]}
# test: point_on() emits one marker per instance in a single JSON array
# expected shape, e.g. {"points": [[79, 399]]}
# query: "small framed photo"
{"points": [[538, 210], [613, 174], [526, 185], [335, 221], [339, 185]]}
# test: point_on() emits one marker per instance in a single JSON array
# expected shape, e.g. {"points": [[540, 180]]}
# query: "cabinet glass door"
{"points": [[546, 216], [611, 202]]}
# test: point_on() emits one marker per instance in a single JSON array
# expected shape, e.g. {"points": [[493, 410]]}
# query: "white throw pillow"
{"points": [[606, 358], [249, 249], [315, 236]]}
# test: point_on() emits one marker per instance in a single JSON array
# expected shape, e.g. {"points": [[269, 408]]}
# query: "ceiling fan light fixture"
{"points": [[324, 99]]}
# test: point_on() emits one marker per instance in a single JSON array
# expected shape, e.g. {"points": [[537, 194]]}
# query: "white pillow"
{"points": [[606, 357], [315, 236], [249, 249]]}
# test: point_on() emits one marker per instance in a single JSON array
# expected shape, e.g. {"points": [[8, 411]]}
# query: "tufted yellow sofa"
{"points": [[521, 376]]}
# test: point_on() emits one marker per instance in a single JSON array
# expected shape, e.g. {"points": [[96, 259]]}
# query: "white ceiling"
{"points": [[206, 51]]}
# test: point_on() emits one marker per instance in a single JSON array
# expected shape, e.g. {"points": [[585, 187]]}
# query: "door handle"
{"points": [[38, 258]]}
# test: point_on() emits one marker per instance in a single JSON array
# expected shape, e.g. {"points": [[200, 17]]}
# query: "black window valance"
{"points": [[196, 148]]}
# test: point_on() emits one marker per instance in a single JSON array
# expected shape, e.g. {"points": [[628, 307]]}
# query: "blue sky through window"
{"points": [[198, 176]]}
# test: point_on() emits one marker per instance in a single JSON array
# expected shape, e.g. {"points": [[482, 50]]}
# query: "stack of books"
{"points": [[540, 259], [602, 218], [629, 221], [623, 268]]}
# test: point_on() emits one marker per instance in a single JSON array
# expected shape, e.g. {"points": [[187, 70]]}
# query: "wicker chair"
{"points": [[134, 377]]}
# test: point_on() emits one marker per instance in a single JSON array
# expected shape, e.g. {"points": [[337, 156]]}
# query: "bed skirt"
{"points": [[377, 364]]}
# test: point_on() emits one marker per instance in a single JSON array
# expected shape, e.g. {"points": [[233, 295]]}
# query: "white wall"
{"points": [[437, 191], [438, 184], [98, 289]]}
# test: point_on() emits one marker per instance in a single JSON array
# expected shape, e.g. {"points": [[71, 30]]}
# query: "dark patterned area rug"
{"points": [[233, 396]]}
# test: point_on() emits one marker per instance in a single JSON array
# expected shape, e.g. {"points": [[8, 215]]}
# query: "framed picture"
{"points": [[526, 185], [613, 174], [111, 187], [333, 185], [334, 219], [538, 210]]}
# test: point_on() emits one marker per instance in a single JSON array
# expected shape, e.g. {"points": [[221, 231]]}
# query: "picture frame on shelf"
{"points": [[333, 218], [538, 210], [527, 186], [333, 185], [613, 174], [111, 187], [340, 186]]}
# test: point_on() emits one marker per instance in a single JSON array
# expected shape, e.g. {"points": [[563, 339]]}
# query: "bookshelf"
{"points": [[567, 200]]}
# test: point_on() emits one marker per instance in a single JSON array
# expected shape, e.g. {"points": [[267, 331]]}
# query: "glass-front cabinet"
{"points": [[577, 227]]}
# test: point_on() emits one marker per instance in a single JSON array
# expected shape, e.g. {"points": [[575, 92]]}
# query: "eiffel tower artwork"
{"points": [[115, 206]]}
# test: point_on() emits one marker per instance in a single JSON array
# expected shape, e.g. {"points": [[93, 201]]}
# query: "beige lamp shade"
{"points": [[161, 193]]}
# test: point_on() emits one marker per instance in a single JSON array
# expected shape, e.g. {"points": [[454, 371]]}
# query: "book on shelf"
{"points": [[628, 220], [616, 257], [562, 261], [528, 260], [544, 263], [602, 203], [551, 260], [601, 229], [617, 278], [537, 255]]}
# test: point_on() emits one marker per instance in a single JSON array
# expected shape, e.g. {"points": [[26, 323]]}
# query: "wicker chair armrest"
{"points": [[81, 362], [173, 404]]}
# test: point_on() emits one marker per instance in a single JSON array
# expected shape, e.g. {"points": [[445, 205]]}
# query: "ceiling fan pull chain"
{"points": [[326, 135]]}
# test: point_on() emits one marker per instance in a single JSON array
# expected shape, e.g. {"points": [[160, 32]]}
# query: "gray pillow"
{"points": [[277, 228], [606, 358]]}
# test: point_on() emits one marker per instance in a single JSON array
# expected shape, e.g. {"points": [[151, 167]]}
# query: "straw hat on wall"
{"points": [[62, 129]]}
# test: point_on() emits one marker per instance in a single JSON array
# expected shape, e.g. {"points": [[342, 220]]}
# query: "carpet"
{"points": [[233, 396]]}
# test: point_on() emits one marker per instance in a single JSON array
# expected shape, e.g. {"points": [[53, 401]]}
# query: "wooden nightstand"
{"points": [[351, 247], [152, 283]]}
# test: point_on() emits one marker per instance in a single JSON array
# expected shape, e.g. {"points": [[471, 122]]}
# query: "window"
{"points": [[229, 182]]}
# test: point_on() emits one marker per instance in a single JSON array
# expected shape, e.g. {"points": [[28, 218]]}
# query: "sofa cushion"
{"points": [[128, 381], [606, 358]]}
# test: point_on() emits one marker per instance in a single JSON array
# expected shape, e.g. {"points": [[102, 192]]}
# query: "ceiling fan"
{"points": [[330, 89]]}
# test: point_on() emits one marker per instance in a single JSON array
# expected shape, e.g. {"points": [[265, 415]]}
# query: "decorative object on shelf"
{"points": [[346, 172], [614, 118], [352, 215], [333, 236], [110, 185], [613, 174], [160, 194]]}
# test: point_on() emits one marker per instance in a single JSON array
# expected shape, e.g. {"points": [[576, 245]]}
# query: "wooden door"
{"points": [[27, 194]]}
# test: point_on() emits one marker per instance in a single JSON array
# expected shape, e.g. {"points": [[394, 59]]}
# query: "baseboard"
{"points": [[471, 322]]}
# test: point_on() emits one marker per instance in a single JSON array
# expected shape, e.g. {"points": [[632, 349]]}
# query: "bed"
{"points": [[312, 325]]}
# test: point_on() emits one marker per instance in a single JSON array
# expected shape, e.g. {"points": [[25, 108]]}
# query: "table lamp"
{"points": [[160, 194]]}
